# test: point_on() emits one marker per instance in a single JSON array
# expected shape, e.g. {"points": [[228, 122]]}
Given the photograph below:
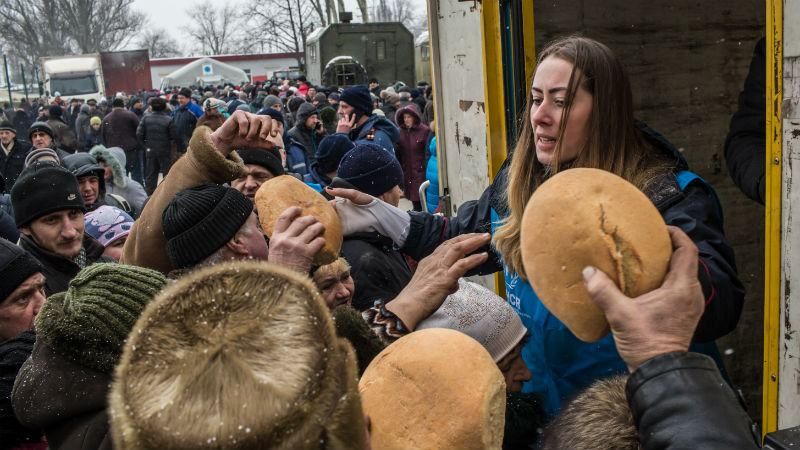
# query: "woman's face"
{"points": [[549, 93]]}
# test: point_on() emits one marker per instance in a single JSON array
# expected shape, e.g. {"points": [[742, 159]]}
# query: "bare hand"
{"points": [[346, 124], [437, 277], [295, 240], [661, 321], [244, 129]]}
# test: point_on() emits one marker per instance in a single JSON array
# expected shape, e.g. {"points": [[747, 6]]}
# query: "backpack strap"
{"points": [[685, 178]]}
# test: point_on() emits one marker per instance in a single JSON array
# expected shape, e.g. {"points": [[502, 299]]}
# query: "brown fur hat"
{"points": [[598, 418], [238, 356]]}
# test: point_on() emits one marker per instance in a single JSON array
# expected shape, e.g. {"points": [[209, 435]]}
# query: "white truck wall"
{"points": [[460, 113]]}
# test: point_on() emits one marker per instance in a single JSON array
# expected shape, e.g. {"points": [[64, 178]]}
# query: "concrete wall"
{"points": [[687, 61]]}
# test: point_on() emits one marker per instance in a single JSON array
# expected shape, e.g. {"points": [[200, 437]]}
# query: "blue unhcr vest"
{"points": [[562, 365]]}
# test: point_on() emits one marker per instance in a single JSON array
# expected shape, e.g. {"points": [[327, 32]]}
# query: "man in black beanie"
{"points": [[43, 137], [360, 125], [378, 268], [330, 152], [21, 298], [260, 165], [49, 212]]}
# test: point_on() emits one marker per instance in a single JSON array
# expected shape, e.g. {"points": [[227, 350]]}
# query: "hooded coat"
{"points": [[63, 134], [22, 122], [119, 183], [410, 151], [84, 164], [307, 137], [561, 364], [82, 126]]}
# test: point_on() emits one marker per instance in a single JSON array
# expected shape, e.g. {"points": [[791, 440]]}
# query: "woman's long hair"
{"points": [[614, 144]]}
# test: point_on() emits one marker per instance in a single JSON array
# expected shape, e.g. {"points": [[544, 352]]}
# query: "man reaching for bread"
{"points": [[192, 219]]}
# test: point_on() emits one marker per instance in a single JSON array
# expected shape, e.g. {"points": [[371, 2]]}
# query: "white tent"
{"points": [[204, 71]]}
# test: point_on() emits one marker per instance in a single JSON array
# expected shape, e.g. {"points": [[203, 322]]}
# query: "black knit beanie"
{"points": [[89, 322], [43, 188], [358, 97], [267, 159], [331, 150], [371, 169], [200, 220], [16, 266], [272, 112]]}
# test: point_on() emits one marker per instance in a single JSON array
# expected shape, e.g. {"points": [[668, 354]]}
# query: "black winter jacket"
{"points": [[694, 210], [679, 401], [184, 122], [58, 270], [378, 269], [156, 132], [745, 146], [13, 353], [64, 399], [119, 130], [11, 166]]}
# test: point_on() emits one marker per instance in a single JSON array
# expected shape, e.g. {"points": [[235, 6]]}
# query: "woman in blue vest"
{"points": [[580, 114]]}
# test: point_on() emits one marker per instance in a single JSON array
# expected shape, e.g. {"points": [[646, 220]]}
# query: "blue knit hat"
{"points": [[331, 150], [358, 97], [371, 169]]}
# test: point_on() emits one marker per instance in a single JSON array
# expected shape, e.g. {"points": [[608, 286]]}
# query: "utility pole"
{"points": [[8, 79], [24, 83]]}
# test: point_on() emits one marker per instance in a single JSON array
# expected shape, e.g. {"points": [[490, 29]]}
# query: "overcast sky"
{"points": [[171, 14]]}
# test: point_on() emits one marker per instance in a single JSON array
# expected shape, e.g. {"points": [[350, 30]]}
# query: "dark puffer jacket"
{"points": [[64, 399], [378, 268], [11, 166], [119, 130], [13, 353], [156, 131]]}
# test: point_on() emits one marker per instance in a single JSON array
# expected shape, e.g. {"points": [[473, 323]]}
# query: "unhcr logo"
{"points": [[71, 197]]}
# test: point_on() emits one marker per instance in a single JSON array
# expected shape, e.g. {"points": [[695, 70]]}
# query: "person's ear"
{"points": [[237, 245], [26, 231]]}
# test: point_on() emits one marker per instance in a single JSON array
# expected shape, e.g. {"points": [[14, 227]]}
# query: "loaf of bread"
{"points": [[434, 389], [590, 217], [280, 193]]}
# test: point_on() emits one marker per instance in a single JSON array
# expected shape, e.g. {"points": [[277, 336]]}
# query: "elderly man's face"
{"points": [[7, 136], [18, 310]]}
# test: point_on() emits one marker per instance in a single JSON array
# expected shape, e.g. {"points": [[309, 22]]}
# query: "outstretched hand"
{"points": [[437, 277], [661, 321], [244, 129]]}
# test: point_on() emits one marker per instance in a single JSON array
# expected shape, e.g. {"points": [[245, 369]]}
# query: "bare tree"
{"points": [[285, 25], [393, 11], [215, 29], [31, 29], [100, 25], [159, 43], [362, 6]]}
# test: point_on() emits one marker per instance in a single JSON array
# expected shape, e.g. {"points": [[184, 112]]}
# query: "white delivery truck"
{"points": [[79, 76]]}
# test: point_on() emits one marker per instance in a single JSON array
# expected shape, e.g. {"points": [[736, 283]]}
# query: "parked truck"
{"points": [[96, 75]]}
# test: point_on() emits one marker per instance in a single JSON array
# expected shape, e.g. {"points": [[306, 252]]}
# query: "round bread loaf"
{"points": [[590, 217], [434, 389], [280, 193]]}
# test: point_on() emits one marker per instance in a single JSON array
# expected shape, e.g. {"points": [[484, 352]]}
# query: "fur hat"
{"points": [[599, 417], [240, 355], [110, 157]]}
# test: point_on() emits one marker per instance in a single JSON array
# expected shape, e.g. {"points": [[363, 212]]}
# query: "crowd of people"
{"points": [[142, 305]]}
